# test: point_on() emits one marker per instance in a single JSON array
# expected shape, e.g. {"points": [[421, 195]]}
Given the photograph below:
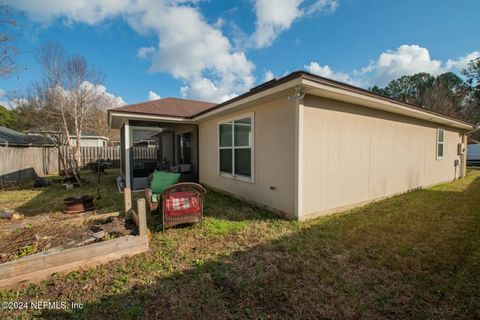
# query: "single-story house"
{"points": [[13, 138], [301, 145], [90, 139], [87, 138]]}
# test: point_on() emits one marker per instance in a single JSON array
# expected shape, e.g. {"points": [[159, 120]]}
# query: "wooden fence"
{"points": [[21, 163]]}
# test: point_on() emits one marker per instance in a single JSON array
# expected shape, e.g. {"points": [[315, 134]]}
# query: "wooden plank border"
{"points": [[41, 265]]}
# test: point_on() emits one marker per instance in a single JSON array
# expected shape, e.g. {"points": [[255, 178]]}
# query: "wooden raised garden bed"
{"points": [[41, 265]]}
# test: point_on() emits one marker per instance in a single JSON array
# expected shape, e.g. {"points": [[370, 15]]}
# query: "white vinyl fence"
{"points": [[113, 154]]}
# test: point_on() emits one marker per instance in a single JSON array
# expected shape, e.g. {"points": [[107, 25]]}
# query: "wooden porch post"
{"points": [[128, 178]]}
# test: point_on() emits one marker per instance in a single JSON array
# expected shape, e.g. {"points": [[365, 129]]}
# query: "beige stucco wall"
{"points": [[274, 156], [353, 154]]}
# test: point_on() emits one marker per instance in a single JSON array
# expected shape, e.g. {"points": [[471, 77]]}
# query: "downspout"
{"points": [[297, 98]]}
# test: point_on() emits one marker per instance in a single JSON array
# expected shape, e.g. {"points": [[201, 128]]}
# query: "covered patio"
{"points": [[156, 135], [171, 147]]}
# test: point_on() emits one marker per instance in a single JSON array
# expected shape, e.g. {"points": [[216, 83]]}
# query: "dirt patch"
{"points": [[113, 226], [33, 239]]}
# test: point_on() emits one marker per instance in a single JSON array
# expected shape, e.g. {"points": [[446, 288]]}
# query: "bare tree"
{"points": [[97, 121], [64, 98], [7, 48]]}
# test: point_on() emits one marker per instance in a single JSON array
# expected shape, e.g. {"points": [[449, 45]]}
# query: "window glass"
{"points": [[440, 143], [441, 135], [242, 134], [243, 162], [235, 154], [440, 150], [226, 135], [244, 121], [226, 160]]}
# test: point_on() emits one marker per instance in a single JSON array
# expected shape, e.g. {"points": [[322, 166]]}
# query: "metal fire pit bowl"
{"points": [[78, 204]]}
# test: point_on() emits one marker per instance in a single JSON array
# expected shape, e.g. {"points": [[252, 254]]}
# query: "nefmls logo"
{"points": [[56, 305]]}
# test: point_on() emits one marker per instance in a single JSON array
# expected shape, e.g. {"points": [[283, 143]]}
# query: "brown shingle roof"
{"points": [[192, 108], [171, 107], [327, 82]]}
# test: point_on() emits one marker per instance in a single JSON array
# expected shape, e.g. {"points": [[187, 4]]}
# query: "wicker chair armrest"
{"points": [[184, 186], [148, 196]]}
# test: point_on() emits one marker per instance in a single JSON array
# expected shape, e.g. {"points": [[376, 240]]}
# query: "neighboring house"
{"points": [[147, 143], [25, 157], [12, 138], [301, 145], [87, 139], [473, 153], [90, 139], [472, 141]]}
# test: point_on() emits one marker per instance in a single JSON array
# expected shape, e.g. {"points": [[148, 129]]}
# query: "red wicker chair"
{"points": [[182, 203]]}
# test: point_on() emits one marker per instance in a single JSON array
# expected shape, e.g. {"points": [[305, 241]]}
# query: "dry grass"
{"points": [[412, 256]]}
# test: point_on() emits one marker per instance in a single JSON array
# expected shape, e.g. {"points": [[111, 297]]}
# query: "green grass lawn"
{"points": [[36, 201], [415, 255]]}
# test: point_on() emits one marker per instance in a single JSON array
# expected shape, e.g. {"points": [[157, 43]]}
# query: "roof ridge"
{"points": [[192, 100], [172, 98]]}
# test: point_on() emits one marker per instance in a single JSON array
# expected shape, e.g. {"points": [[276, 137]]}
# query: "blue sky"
{"points": [[215, 50]]}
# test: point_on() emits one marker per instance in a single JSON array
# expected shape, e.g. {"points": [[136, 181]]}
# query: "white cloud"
{"points": [[5, 101], [392, 64], [153, 96], [8, 99], [268, 76], [276, 16], [191, 49], [202, 88], [405, 60], [273, 17], [112, 100], [198, 54], [462, 62], [145, 52], [327, 72], [88, 11], [116, 100], [322, 5]]}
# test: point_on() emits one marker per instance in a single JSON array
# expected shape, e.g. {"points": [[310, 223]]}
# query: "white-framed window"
{"points": [[440, 143], [235, 147]]}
